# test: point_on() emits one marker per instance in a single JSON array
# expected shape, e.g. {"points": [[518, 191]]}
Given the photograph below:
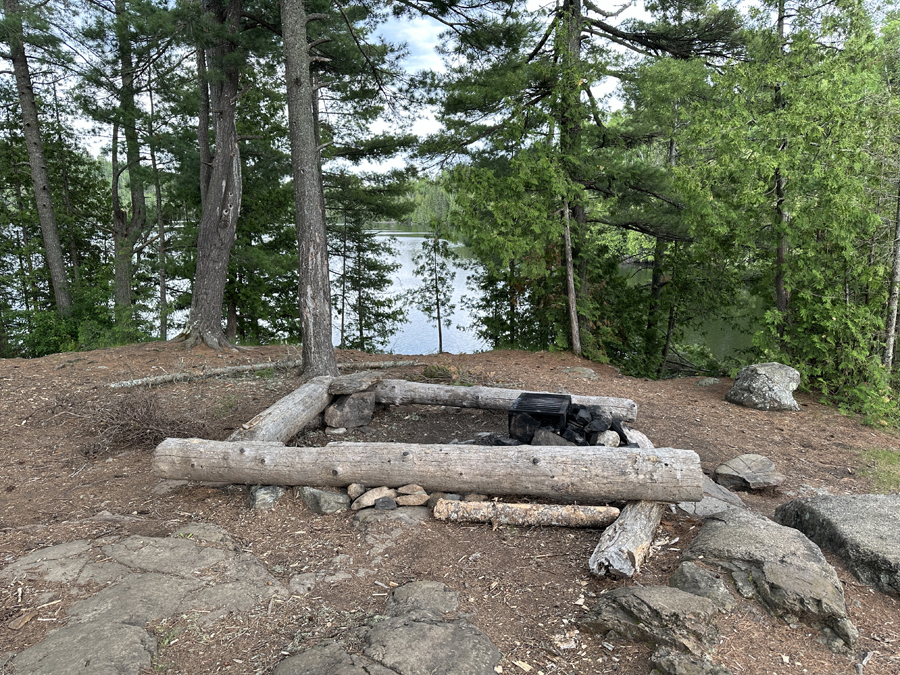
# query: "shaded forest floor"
{"points": [[525, 588]]}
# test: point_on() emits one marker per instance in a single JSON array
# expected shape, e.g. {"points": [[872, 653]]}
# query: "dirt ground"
{"points": [[525, 588]]}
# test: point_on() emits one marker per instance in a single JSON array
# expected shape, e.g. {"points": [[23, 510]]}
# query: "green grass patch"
{"points": [[883, 467], [265, 373]]}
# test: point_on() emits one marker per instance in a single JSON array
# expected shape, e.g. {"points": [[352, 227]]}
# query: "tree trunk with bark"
{"points": [[312, 250], [127, 230], [39, 178], [218, 220]]}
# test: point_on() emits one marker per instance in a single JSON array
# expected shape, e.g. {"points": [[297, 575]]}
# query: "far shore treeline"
{"points": [[619, 182]]}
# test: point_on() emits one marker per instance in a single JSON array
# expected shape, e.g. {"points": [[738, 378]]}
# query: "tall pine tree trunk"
{"points": [[127, 230], [570, 147], [314, 286], [218, 220], [39, 178]]}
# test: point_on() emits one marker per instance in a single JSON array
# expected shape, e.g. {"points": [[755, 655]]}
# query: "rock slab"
{"points": [[748, 472], [765, 386], [863, 530], [420, 634], [657, 614], [778, 565]]}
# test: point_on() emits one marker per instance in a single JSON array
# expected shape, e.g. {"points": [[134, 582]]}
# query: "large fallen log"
{"points": [[626, 543], [401, 392], [500, 513], [281, 421], [564, 473]]}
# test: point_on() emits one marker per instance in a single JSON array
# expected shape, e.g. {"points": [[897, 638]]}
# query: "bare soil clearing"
{"points": [[524, 587]]}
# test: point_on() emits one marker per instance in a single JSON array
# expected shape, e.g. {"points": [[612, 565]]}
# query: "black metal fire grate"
{"points": [[548, 409]]}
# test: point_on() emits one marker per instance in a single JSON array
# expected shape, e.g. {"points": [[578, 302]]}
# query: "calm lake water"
{"points": [[419, 335]]}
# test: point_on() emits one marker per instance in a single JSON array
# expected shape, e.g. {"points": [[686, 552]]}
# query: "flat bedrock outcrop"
{"points": [[863, 530]]}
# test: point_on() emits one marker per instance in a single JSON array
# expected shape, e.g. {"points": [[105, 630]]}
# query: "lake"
{"points": [[419, 335]]}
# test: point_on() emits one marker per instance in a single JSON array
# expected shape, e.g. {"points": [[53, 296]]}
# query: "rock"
{"points": [[385, 504], [323, 501], [656, 614], [369, 498], [669, 662], [427, 596], [355, 490], [355, 410], [474, 497], [416, 638], [692, 578], [861, 529], [544, 436], [59, 564], [715, 499], [96, 648], [411, 489], [635, 437], [583, 373], [522, 427], [708, 381], [608, 438], [765, 386], [412, 500], [330, 659], [748, 472], [785, 570], [353, 383], [263, 497]]}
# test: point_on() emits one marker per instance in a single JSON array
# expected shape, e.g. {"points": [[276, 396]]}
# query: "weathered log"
{"points": [[625, 545], [401, 392], [281, 421], [594, 473], [499, 513]]}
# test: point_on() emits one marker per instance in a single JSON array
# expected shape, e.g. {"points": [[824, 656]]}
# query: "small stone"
{"points": [[263, 497], [608, 438], [368, 498], [385, 504], [323, 501], [476, 498], [708, 381], [412, 500], [544, 436], [356, 490], [335, 431], [411, 489]]}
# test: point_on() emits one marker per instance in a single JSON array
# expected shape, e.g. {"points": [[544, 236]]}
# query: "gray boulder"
{"points": [[778, 565], [544, 436], [349, 412], [656, 614], [765, 386], [748, 472], [863, 530]]}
